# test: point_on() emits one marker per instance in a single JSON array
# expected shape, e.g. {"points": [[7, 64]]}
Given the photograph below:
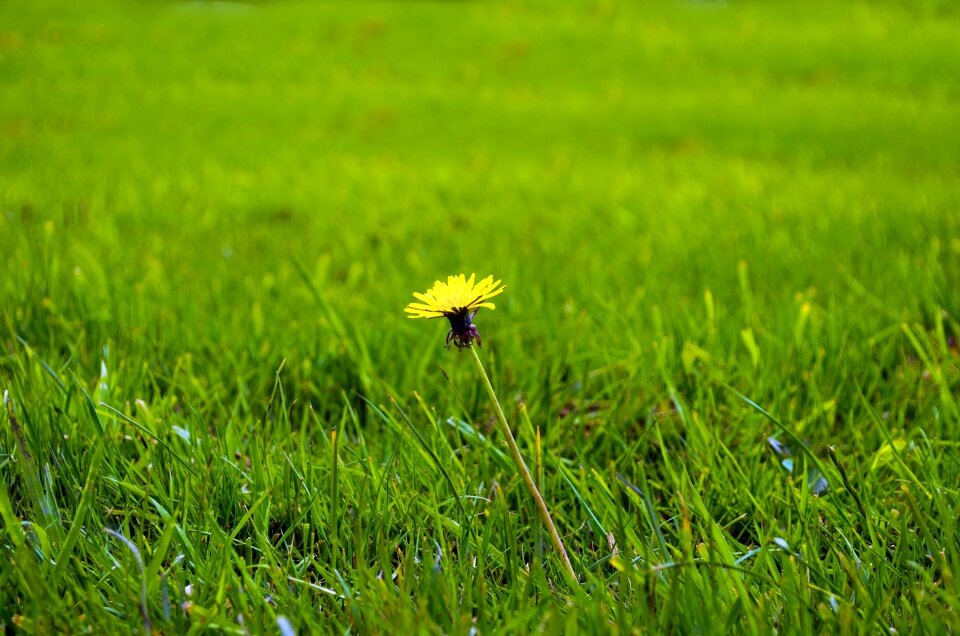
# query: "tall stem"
{"points": [[527, 479]]}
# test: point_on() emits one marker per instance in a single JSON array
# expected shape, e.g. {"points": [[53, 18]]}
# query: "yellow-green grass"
{"points": [[718, 222]]}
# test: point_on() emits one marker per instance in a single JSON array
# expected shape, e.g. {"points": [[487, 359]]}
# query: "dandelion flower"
{"points": [[457, 300]]}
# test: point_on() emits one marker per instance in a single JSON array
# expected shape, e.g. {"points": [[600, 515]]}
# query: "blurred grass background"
{"points": [[677, 195]]}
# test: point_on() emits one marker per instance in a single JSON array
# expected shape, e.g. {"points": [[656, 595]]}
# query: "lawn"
{"points": [[727, 348]]}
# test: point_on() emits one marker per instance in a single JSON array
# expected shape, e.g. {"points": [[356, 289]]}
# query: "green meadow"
{"points": [[728, 345]]}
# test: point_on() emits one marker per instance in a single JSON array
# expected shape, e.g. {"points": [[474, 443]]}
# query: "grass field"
{"points": [[730, 235]]}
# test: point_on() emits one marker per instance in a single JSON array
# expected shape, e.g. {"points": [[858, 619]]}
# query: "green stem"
{"points": [[527, 479]]}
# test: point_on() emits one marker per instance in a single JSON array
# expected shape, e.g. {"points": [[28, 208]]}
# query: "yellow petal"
{"points": [[425, 298]]}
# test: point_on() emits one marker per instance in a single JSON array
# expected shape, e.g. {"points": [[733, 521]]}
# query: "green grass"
{"points": [[718, 223]]}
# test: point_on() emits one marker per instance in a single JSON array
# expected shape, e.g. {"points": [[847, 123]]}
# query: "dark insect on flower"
{"points": [[457, 300], [462, 330]]}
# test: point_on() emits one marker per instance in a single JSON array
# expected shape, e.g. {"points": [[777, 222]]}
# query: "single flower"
{"points": [[457, 300]]}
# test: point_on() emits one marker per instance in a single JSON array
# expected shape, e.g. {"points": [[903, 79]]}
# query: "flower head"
{"points": [[458, 300]]}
